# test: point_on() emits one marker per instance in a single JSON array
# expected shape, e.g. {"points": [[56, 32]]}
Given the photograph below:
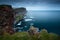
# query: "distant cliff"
{"points": [[19, 13], [22, 9]]}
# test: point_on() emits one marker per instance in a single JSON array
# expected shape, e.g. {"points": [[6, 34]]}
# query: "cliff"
{"points": [[19, 14]]}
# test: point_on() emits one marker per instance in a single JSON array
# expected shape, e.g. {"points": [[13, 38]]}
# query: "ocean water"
{"points": [[48, 19]]}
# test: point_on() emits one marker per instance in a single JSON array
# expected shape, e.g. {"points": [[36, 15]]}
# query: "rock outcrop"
{"points": [[33, 31]]}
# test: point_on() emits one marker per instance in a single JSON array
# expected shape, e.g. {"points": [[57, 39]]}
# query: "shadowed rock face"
{"points": [[6, 19]]}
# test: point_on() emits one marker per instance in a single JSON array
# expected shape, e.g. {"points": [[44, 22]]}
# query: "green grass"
{"points": [[43, 35]]}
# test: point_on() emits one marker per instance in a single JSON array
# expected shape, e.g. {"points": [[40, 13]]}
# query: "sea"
{"points": [[41, 19]]}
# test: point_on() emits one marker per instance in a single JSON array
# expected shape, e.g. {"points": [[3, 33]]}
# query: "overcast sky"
{"points": [[34, 4]]}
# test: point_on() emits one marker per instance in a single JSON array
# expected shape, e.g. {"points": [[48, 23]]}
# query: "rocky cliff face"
{"points": [[6, 19]]}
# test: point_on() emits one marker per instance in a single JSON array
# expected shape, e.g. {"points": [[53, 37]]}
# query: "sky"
{"points": [[34, 4]]}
